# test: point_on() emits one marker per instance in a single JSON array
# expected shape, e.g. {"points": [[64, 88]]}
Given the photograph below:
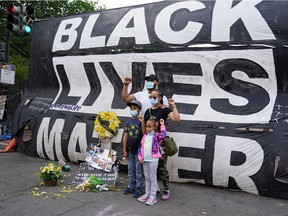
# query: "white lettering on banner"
{"points": [[222, 169], [163, 19], [53, 138], [224, 17], [188, 163], [80, 86], [50, 139], [139, 31], [78, 81], [66, 28], [78, 134], [86, 40]]}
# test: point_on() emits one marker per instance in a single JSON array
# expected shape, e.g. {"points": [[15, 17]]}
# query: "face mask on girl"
{"points": [[151, 132], [150, 85], [133, 113], [153, 101]]}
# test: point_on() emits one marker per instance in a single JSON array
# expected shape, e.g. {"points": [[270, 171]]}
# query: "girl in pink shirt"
{"points": [[149, 154]]}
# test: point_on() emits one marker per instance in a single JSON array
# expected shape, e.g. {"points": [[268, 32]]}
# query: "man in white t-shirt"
{"points": [[152, 82]]}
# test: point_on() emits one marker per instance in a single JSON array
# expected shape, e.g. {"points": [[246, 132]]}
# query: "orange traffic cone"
{"points": [[11, 145]]}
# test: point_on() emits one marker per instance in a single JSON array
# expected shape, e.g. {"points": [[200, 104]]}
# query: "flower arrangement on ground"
{"points": [[92, 184], [106, 124], [50, 172]]}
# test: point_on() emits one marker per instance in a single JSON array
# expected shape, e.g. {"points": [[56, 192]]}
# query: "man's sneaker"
{"points": [[128, 190], [137, 193], [143, 198], [166, 195], [151, 201]]}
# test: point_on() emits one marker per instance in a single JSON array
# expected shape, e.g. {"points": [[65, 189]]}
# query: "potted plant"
{"points": [[50, 173]]}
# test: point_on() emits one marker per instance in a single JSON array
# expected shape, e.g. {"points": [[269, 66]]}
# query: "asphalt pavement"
{"points": [[21, 195]]}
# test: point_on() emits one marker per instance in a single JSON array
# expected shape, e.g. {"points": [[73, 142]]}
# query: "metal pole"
{"points": [[8, 35], [7, 41]]}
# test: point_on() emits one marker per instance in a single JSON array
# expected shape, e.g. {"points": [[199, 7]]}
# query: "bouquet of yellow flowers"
{"points": [[106, 124], [51, 172]]}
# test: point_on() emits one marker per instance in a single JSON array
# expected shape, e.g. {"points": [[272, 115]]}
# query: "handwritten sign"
{"points": [[85, 171], [38, 104]]}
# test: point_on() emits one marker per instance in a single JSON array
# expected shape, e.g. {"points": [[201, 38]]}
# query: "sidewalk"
{"points": [[18, 182]]}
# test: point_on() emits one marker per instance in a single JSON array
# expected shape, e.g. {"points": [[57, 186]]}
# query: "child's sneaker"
{"points": [[151, 201], [166, 195], [137, 193], [128, 190], [143, 198]]}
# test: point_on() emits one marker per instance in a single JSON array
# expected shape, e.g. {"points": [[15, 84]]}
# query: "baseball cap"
{"points": [[135, 102], [152, 77]]}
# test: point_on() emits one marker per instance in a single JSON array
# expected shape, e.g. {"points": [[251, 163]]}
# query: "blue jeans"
{"points": [[135, 171]]}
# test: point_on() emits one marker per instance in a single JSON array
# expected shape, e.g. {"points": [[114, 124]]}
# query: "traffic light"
{"points": [[27, 19], [13, 19]]}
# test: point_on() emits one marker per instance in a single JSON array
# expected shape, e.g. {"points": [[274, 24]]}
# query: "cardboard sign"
{"points": [[3, 99], [7, 73], [85, 171], [102, 159]]}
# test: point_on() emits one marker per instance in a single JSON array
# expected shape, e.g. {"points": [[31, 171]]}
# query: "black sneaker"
{"points": [[128, 190], [137, 193]]}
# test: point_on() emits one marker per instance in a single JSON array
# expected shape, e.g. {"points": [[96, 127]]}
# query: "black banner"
{"points": [[224, 63]]}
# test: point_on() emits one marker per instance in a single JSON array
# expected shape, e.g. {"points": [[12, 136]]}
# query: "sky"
{"points": [[122, 3]]}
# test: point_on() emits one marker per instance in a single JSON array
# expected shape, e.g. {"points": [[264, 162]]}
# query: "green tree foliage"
{"points": [[20, 44]]}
